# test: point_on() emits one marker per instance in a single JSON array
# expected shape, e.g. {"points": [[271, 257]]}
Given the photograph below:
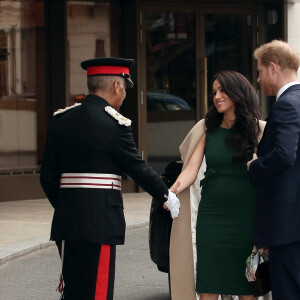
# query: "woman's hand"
{"points": [[262, 250], [254, 157], [165, 207]]}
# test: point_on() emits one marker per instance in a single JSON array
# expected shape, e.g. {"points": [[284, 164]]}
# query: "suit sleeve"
{"points": [[50, 172], [284, 131], [128, 157]]}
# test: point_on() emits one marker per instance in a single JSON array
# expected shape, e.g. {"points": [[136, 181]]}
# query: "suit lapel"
{"points": [[261, 148]]}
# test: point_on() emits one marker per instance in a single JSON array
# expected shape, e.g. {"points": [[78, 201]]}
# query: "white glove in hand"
{"points": [[173, 205]]}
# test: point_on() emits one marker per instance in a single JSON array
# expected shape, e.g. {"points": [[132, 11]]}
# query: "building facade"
{"points": [[177, 47]]}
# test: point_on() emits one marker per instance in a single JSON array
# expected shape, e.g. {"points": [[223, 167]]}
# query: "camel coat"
{"points": [[183, 239]]}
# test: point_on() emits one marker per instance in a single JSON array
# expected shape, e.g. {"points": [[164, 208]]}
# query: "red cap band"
{"points": [[107, 70]]}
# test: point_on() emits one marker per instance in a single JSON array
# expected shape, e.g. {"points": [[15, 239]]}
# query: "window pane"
{"points": [[19, 23], [171, 83], [228, 44]]}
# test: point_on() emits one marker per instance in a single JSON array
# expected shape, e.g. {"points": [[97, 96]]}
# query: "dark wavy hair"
{"points": [[243, 136]]}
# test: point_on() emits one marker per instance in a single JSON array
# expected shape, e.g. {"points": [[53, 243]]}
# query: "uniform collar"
{"points": [[90, 98]]}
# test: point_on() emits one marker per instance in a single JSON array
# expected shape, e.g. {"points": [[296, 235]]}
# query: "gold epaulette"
{"points": [[121, 119], [63, 110]]}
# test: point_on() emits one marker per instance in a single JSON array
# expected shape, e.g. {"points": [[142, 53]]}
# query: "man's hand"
{"points": [[249, 162], [173, 189], [172, 204]]}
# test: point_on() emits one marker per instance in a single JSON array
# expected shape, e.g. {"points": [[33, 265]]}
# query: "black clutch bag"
{"points": [[159, 235], [258, 273], [161, 222]]}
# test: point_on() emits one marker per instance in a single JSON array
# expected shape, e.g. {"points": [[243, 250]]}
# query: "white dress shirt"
{"points": [[285, 87]]}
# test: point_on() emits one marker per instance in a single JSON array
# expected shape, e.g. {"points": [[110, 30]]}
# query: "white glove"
{"points": [[173, 204]]}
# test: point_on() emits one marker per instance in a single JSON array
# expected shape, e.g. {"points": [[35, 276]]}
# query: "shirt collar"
{"points": [[285, 87]]}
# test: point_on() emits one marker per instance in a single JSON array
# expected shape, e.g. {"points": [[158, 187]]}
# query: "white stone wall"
{"points": [[293, 25], [86, 24]]}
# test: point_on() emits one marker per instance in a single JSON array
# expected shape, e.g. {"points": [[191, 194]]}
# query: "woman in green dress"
{"points": [[225, 214]]}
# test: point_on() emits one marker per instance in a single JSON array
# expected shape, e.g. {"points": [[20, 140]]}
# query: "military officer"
{"points": [[88, 147]]}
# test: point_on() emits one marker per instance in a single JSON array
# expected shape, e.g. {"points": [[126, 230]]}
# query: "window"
{"points": [[19, 55]]}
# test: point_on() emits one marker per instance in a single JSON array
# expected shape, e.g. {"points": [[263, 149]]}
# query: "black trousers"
{"points": [[285, 271], [88, 271]]}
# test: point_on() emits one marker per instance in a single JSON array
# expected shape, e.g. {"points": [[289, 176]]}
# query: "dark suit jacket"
{"points": [[86, 139], [277, 173]]}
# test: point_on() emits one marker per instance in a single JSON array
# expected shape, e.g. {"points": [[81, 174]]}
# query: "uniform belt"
{"points": [[90, 180]]}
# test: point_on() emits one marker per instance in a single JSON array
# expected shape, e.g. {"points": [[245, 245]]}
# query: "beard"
{"points": [[267, 90]]}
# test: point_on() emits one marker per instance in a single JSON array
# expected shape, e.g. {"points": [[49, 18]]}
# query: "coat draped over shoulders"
{"points": [[182, 275], [183, 253]]}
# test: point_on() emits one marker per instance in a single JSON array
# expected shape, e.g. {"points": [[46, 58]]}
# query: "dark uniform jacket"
{"points": [[277, 172], [86, 139]]}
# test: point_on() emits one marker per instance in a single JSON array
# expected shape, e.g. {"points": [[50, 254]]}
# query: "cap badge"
{"points": [[63, 110], [121, 119]]}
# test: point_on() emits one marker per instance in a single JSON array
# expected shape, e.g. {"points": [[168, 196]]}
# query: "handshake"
{"points": [[172, 204]]}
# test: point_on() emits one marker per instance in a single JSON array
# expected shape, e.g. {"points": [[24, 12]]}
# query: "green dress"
{"points": [[225, 221]]}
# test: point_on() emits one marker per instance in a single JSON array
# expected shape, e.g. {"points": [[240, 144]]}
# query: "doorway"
{"points": [[180, 50]]}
